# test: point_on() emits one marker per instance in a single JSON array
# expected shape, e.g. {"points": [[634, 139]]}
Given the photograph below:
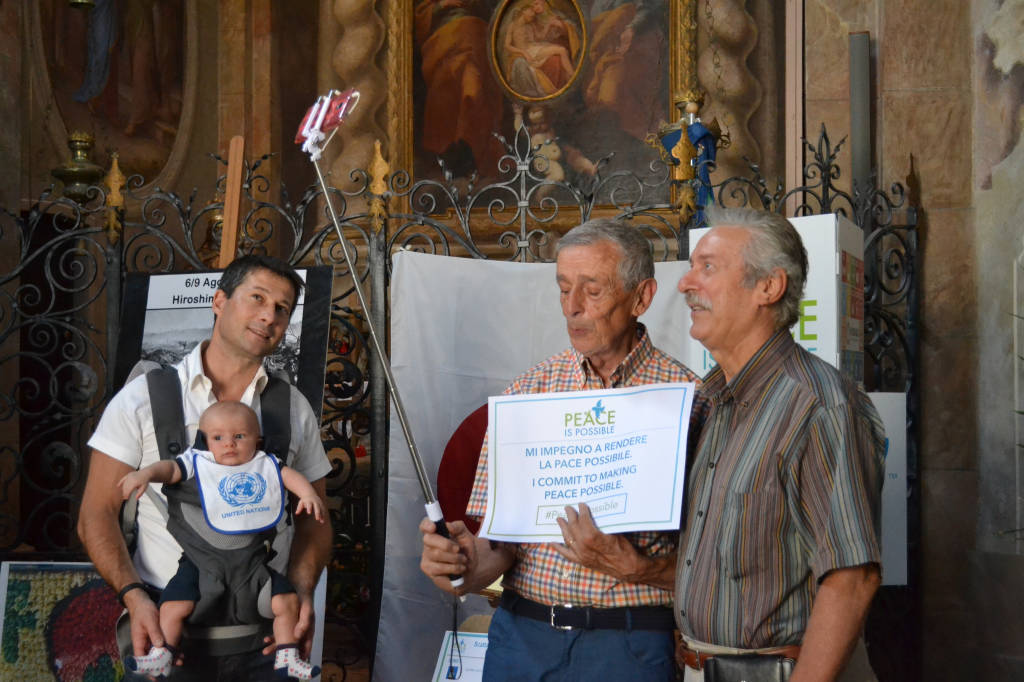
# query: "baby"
{"points": [[241, 489]]}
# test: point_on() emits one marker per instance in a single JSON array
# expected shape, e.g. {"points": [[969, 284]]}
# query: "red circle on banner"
{"points": [[457, 470]]}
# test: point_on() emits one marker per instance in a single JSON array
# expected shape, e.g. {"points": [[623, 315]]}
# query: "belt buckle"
{"points": [[559, 627]]}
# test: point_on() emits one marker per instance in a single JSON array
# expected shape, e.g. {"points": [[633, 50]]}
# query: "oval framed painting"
{"points": [[537, 47]]}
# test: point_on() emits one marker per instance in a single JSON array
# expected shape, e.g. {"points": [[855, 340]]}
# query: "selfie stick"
{"points": [[328, 112]]}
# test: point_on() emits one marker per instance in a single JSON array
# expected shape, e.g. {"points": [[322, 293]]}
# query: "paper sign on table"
{"points": [[461, 659]]}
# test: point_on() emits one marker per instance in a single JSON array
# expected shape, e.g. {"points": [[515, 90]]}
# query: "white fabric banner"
{"points": [[461, 330]]}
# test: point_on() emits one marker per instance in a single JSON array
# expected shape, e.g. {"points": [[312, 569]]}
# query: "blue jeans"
{"points": [[525, 650]]}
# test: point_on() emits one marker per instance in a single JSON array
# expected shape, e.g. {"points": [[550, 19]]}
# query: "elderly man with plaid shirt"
{"points": [[597, 607]]}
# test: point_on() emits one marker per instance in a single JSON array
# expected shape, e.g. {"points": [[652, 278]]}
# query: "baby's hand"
{"points": [[135, 482], [312, 505]]}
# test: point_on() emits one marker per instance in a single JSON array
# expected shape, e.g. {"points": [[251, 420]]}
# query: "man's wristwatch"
{"points": [[126, 589]]}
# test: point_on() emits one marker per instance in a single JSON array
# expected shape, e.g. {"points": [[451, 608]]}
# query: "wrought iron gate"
{"points": [[63, 265]]}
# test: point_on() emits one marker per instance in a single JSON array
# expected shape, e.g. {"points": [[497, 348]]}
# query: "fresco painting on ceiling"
{"points": [[591, 74], [116, 72]]}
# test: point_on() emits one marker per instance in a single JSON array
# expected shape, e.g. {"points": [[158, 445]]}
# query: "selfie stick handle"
{"points": [[435, 514]]}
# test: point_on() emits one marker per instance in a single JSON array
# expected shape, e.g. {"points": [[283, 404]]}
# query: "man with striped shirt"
{"points": [[781, 551], [597, 607]]}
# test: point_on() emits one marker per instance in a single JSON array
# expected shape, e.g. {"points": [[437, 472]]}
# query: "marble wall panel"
{"points": [[860, 15], [926, 44], [947, 637], [949, 501], [265, 96], [948, 385], [826, 53], [934, 127], [996, 592], [949, 298], [946, 609]]}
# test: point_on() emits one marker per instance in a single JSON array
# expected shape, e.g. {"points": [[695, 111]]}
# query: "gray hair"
{"points": [[774, 244], [637, 262]]}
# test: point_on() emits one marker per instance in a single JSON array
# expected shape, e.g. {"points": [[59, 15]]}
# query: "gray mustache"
{"points": [[695, 301]]}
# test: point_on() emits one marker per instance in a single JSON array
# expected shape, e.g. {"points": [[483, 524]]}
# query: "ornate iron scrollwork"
{"points": [[54, 298], [51, 301]]}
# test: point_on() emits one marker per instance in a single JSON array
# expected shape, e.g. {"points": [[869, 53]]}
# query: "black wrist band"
{"points": [[126, 589]]}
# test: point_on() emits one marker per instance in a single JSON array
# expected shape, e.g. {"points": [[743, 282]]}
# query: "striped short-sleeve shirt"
{"points": [[539, 572], [785, 487]]}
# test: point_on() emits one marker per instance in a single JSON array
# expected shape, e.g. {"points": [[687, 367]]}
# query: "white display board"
{"points": [[892, 408]]}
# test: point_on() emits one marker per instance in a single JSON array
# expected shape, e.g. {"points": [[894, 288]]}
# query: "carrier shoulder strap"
{"points": [[168, 411], [275, 409], [169, 415]]}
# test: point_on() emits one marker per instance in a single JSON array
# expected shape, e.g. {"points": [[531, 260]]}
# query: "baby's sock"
{"points": [[157, 662], [288, 664]]}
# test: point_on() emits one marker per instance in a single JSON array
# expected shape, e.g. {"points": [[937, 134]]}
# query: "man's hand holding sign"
{"points": [[586, 545]]}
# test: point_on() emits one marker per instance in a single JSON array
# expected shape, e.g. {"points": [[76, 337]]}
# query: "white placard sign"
{"points": [[190, 290], [621, 451]]}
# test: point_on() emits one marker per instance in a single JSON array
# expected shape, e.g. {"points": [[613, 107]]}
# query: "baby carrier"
{"points": [[233, 577]]}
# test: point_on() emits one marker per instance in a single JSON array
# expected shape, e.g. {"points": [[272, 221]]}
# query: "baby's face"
{"points": [[233, 439]]}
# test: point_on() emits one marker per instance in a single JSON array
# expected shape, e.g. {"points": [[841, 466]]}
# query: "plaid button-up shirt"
{"points": [[539, 572], [785, 486]]}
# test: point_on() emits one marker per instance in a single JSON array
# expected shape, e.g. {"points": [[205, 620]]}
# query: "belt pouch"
{"points": [[747, 668]]}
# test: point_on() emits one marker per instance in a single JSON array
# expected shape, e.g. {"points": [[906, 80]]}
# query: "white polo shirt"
{"points": [[126, 433]]}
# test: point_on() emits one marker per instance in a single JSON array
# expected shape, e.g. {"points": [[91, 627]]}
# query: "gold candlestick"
{"points": [[80, 172]]}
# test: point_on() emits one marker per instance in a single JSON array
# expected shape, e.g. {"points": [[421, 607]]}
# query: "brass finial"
{"points": [[80, 172], [209, 250], [689, 100], [115, 200], [379, 170]]}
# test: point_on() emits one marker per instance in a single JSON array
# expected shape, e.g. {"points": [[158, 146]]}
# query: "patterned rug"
{"points": [[57, 620]]}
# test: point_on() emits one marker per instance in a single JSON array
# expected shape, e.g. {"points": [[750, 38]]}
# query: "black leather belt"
{"points": [[569, 617]]}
